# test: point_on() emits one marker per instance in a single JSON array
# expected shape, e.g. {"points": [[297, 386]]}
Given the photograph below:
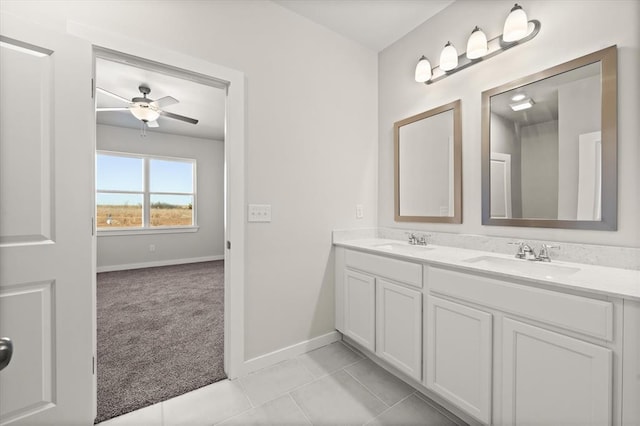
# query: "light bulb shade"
{"points": [[423, 70], [448, 57], [516, 26], [144, 113], [477, 44]]}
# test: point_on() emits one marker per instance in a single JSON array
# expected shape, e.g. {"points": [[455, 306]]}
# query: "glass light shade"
{"points": [[144, 113], [516, 26], [423, 70], [477, 44], [448, 57]]}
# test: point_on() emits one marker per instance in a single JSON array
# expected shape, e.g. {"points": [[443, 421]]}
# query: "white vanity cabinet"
{"points": [[379, 306], [549, 370]]}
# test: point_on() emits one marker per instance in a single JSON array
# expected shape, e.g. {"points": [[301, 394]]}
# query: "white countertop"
{"points": [[604, 280]]}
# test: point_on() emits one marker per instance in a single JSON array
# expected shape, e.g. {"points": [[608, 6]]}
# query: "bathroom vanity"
{"points": [[502, 340]]}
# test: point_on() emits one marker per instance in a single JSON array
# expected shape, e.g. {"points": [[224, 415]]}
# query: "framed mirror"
{"points": [[549, 147], [428, 166]]}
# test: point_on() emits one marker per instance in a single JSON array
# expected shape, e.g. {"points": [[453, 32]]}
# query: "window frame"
{"points": [[146, 193]]}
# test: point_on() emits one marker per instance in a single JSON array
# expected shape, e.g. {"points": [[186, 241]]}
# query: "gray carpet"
{"points": [[160, 334]]}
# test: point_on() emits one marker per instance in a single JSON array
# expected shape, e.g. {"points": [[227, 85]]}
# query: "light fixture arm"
{"points": [[495, 46]]}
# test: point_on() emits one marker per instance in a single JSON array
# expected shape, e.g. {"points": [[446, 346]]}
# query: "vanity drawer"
{"points": [[583, 315], [394, 269]]}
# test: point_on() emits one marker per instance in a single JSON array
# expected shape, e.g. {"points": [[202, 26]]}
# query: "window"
{"points": [[144, 192]]}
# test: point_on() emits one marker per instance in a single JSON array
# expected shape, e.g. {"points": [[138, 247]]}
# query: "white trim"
{"points": [[127, 266], [235, 172], [289, 352]]}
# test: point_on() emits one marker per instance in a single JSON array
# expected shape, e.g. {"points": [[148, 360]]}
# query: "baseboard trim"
{"points": [[289, 352], [127, 266]]}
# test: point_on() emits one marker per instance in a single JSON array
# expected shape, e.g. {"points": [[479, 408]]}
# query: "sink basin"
{"points": [[527, 267], [403, 248]]}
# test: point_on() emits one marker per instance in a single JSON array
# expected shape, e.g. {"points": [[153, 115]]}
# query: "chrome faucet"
{"points": [[525, 251], [413, 240]]}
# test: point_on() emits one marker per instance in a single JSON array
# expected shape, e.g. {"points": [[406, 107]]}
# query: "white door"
{"points": [[458, 355], [399, 327], [500, 185], [46, 209], [359, 308], [553, 379]]}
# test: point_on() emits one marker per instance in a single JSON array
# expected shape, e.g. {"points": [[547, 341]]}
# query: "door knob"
{"points": [[6, 351]]}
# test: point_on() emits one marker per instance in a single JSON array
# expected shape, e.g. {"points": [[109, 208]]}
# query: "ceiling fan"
{"points": [[145, 109]]}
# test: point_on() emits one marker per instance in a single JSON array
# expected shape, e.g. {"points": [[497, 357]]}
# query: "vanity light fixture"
{"points": [[477, 44], [526, 104], [423, 70], [516, 26], [517, 30], [448, 57]]}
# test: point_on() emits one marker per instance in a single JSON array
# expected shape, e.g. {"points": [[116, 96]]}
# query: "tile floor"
{"points": [[332, 385]]}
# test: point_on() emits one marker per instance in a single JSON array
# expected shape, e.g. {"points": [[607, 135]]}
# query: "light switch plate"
{"points": [[359, 211], [259, 213]]}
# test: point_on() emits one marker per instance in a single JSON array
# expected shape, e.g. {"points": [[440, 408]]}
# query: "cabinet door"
{"points": [[552, 379], [399, 327], [458, 355], [359, 308]]}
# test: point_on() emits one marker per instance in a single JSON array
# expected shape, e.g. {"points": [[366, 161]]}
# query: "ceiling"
{"points": [[204, 103], [375, 24]]}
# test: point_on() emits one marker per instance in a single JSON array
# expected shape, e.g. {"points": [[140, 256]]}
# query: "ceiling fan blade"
{"points": [[166, 101], [112, 109], [152, 124], [178, 117], [113, 95]]}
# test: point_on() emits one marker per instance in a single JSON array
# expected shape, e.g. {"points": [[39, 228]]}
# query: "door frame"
{"points": [[234, 173]]}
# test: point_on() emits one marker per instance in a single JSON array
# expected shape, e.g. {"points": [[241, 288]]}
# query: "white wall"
{"points": [[208, 241], [569, 30], [539, 147], [311, 139]]}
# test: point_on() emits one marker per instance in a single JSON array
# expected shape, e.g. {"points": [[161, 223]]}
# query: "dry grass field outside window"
{"points": [[128, 216]]}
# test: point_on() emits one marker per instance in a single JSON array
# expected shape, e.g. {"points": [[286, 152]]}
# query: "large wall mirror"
{"points": [[428, 166], [549, 147]]}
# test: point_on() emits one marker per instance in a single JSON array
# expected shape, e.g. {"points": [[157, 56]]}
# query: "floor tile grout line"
{"points": [[452, 417], [300, 408], [390, 407], [367, 389]]}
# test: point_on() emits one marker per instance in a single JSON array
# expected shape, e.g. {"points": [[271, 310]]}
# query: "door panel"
{"points": [[458, 355], [552, 379], [46, 208], [359, 308], [399, 327]]}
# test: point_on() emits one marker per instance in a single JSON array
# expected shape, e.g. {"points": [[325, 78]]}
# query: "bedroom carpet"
{"points": [[160, 334]]}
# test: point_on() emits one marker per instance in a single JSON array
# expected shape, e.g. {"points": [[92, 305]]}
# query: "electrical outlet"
{"points": [[359, 211], [152, 247], [259, 213]]}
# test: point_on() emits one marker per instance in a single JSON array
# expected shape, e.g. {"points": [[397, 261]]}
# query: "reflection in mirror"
{"points": [[549, 147], [428, 166]]}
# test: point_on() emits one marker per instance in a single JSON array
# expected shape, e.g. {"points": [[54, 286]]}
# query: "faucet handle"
{"points": [[424, 239], [412, 237], [544, 252], [520, 253]]}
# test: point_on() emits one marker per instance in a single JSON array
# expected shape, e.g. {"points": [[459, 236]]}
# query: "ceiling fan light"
{"points": [[144, 113], [516, 26], [477, 44], [423, 70], [448, 57]]}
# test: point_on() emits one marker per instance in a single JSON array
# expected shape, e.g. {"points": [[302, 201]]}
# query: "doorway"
{"points": [[162, 199]]}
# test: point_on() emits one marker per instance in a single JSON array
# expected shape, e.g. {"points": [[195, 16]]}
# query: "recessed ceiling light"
{"points": [[526, 104], [518, 97]]}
